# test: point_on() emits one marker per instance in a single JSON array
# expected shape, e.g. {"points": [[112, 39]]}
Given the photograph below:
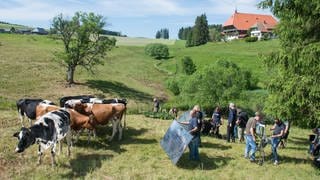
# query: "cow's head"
{"points": [[25, 139]]}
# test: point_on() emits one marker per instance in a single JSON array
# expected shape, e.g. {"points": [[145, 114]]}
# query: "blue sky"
{"points": [[135, 18]]}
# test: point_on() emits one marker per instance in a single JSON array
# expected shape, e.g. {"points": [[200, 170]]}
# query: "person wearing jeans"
{"points": [[278, 131], [251, 146]]}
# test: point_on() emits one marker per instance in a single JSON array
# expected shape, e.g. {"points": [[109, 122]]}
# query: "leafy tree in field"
{"points": [[188, 66], [217, 83], [83, 44], [294, 89]]}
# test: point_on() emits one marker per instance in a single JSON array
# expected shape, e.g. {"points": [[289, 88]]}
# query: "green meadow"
{"points": [[28, 69]]}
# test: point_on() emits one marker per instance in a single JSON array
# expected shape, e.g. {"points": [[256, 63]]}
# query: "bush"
{"points": [[188, 66], [251, 39], [157, 50], [173, 86]]}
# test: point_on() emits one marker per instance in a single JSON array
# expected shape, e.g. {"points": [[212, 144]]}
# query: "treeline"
{"points": [[214, 32], [112, 33], [162, 33], [201, 32]]}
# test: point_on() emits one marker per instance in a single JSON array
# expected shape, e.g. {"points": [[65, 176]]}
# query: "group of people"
{"points": [[246, 131]]}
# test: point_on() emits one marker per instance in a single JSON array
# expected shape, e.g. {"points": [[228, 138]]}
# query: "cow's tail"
{"points": [[124, 118]]}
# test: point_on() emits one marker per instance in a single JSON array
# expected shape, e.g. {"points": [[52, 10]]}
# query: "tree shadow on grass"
{"points": [[206, 163], [101, 141], [298, 141], [288, 159], [118, 89], [83, 164], [214, 146]]}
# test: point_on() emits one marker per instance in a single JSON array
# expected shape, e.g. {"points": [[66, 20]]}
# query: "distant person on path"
{"points": [[241, 122], [278, 131], [156, 105], [193, 128], [216, 121], [231, 122], [250, 131]]}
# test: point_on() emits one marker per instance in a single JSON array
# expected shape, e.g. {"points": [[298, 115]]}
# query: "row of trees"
{"points": [[200, 33], [162, 33]]}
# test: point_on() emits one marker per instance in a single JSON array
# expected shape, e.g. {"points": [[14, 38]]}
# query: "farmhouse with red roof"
{"points": [[240, 24]]}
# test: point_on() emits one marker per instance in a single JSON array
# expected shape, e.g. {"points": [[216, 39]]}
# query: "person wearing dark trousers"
{"points": [[199, 116], [278, 130], [195, 132], [232, 117], [216, 121]]}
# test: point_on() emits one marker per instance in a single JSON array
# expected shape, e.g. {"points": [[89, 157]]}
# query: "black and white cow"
{"points": [[47, 131], [27, 107], [64, 99]]}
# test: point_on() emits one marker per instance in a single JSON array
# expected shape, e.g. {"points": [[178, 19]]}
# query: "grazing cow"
{"points": [[27, 107], [103, 113], [63, 100], [47, 131]]}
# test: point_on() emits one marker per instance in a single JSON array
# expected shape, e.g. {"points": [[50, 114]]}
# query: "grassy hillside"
{"points": [[136, 41], [28, 70], [246, 55], [9, 26]]}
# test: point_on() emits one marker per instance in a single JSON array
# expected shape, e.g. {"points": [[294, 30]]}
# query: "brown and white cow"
{"points": [[102, 113]]}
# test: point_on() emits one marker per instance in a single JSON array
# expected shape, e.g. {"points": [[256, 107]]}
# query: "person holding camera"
{"points": [[278, 131]]}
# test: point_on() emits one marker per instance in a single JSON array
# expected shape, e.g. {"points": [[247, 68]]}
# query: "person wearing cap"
{"points": [[232, 117], [251, 145], [278, 131]]}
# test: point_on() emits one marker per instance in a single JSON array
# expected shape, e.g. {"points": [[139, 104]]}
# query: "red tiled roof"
{"points": [[244, 21]]}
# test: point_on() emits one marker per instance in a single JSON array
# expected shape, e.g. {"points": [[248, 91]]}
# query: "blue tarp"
{"points": [[175, 141]]}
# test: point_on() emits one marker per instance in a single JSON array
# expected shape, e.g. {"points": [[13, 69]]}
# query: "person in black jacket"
{"points": [[231, 122], [241, 122]]}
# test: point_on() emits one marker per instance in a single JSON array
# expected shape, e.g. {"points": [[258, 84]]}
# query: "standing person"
{"points": [[250, 131], [156, 105], [194, 130], [283, 140], [241, 122], [278, 131], [199, 116], [232, 117], [216, 121]]}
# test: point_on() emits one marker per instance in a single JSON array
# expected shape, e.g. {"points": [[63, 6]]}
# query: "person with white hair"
{"points": [[232, 117]]}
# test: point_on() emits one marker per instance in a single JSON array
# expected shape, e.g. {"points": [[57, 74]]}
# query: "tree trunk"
{"points": [[70, 74]]}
